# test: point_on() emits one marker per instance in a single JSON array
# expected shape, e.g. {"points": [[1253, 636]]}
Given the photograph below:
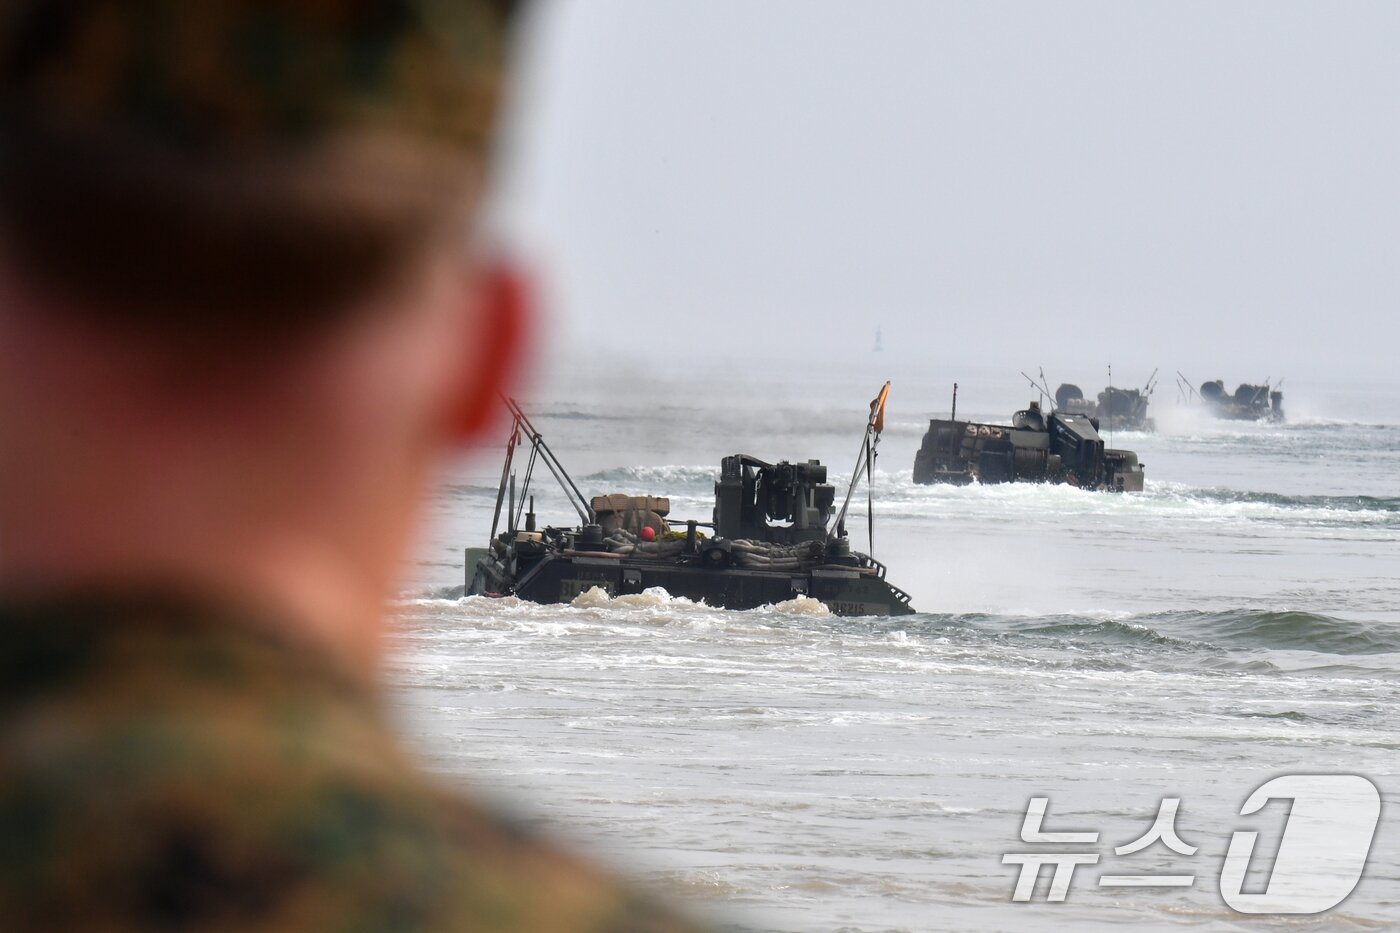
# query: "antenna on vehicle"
{"points": [[510, 515], [1110, 395], [865, 464], [539, 450], [1039, 386], [1034, 385], [505, 476], [1190, 386], [1140, 410], [954, 415]]}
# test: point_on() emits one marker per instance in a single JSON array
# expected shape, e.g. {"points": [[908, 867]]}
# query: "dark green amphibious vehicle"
{"points": [[775, 535]]}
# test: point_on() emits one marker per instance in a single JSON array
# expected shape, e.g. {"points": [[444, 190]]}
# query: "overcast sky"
{"points": [[1212, 187]]}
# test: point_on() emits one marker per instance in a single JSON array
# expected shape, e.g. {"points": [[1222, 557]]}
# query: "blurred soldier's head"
{"points": [[241, 309]]}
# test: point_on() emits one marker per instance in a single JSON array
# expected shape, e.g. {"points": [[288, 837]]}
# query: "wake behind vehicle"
{"points": [[775, 534]]}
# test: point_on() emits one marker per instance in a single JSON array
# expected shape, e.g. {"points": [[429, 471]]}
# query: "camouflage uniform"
{"points": [[175, 764], [167, 765]]}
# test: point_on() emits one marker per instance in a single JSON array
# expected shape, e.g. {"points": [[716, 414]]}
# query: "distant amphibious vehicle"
{"points": [[775, 535], [1262, 402], [1117, 409], [1062, 447], [1249, 403]]}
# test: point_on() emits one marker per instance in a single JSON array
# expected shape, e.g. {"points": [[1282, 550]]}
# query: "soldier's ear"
{"points": [[500, 334]]}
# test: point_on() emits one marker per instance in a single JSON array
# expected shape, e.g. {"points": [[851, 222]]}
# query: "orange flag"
{"points": [[877, 408]]}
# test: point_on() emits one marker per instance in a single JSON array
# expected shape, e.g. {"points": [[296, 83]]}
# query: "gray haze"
{"points": [[1205, 186]]}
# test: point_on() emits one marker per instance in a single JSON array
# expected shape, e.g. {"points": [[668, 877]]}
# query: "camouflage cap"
{"points": [[260, 163], [236, 73]]}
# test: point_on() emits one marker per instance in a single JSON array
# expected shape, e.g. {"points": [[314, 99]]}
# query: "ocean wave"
{"points": [[1030, 503], [1310, 423], [468, 489], [1226, 642], [1110, 631], [574, 414], [1387, 504], [652, 603], [1292, 631], [660, 479], [1220, 632], [1231, 630]]}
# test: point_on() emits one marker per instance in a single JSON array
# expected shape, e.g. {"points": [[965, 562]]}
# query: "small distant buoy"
{"points": [[648, 533]]}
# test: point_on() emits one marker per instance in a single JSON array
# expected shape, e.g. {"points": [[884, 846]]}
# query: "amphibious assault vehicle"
{"points": [[1249, 403], [775, 534], [1117, 409], [1263, 402], [1062, 447]]}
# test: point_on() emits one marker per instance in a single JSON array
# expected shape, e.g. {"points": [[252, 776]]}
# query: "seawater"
{"points": [[793, 770]]}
